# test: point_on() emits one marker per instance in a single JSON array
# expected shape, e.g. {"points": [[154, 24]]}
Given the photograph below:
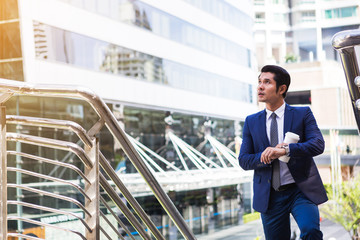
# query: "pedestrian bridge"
{"points": [[194, 170]]}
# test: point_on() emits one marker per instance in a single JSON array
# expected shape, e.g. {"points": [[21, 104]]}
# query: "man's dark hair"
{"points": [[281, 76]]}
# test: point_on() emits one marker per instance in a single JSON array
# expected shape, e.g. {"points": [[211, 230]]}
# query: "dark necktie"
{"points": [[273, 142]]}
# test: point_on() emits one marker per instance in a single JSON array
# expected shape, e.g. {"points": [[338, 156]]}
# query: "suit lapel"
{"points": [[288, 119], [262, 128]]}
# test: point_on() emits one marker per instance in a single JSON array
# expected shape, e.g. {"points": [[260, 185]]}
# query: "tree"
{"points": [[344, 207]]}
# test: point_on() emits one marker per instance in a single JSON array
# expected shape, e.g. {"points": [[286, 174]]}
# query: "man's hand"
{"points": [[271, 153]]}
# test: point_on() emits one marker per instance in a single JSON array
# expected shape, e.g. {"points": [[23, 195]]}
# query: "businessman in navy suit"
{"points": [[280, 188]]}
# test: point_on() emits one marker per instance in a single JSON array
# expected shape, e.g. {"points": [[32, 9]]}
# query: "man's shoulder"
{"points": [[256, 115], [300, 109]]}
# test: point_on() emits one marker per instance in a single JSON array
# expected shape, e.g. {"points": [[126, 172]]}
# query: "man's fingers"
{"points": [[269, 154], [266, 156]]}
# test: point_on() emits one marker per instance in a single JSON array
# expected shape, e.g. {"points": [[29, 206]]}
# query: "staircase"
{"points": [[83, 179]]}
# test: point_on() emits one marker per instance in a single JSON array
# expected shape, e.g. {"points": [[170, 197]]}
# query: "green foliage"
{"points": [[291, 58], [251, 217], [344, 208]]}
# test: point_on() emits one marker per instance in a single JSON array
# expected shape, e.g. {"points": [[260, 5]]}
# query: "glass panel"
{"points": [[8, 10], [259, 2], [90, 53], [166, 25], [12, 70], [348, 12], [340, 12], [279, 17], [151, 126], [328, 14], [11, 66], [227, 12], [10, 43]]}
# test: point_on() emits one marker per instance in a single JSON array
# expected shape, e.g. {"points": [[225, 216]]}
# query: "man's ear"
{"points": [[282, 89]]}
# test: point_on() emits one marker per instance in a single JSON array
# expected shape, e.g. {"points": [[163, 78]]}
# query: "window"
{"points": [[90, 53], [11, 64], [260, 17], [308, 16], [145, 16], [259, 2], [306, 1], [340, 12], [279, 17]]}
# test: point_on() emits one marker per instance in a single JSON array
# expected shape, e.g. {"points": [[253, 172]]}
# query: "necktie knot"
{"points": [[273, 130], [273, 115]]}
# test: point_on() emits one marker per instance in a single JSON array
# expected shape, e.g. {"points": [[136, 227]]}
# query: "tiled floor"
{"points": [[253, 230]]}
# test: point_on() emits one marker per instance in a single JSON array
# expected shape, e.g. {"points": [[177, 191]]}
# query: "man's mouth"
{"points": [[260, 94]]}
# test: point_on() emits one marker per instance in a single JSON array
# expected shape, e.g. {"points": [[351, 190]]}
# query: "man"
{"points": [[283, 188]]}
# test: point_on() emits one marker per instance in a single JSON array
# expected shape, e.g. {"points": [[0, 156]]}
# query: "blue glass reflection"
{"points": [[56, 44], [137, 13], [226, 12]]}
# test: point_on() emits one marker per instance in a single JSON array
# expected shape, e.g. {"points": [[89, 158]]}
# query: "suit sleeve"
{"points": [[313, 143], [248, 159]]}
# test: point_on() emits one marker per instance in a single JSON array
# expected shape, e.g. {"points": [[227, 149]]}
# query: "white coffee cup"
{"points": [[289, 138]]}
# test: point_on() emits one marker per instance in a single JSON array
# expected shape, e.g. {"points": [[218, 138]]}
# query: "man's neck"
{"points": [[273, 106]]}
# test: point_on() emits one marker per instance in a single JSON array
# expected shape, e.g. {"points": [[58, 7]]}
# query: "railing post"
{"points": [[92, 190], [3, 176]]}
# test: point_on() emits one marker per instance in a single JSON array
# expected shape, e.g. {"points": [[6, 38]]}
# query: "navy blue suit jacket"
{"points": [[299, 120]]}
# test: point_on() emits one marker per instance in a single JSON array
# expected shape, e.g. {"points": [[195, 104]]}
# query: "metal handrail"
{"points": [[42, 224], [106, 166], [41, 192], [52, 143], [11, 87], [126, 193], [53, 162], [48, 209], [344, 42], [116, 217], [51, 123], [11, 169]]}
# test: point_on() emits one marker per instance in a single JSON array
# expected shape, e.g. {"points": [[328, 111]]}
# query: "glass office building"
{"points": [[301, 30], [191, 60]]}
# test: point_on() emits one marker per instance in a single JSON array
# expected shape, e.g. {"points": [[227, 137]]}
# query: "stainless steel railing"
{"points": [[345, 42], [91, 177], [96, 175]]}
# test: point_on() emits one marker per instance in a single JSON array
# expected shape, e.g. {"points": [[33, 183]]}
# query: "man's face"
{"points": [[267, 88]]}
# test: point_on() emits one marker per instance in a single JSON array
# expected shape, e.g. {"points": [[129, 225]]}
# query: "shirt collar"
{"points": [[279, 112]]}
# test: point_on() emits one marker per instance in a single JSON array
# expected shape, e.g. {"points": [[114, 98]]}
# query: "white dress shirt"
{"points": [[285, 175]]}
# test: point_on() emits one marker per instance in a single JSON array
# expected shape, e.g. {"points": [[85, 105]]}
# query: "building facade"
{"points": [[157, 64], [301, 30], [186, 57]]}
